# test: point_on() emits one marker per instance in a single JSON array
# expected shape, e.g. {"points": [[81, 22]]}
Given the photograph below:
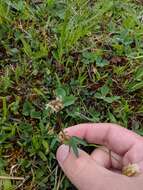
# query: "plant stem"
{"points": [[11, 178]]}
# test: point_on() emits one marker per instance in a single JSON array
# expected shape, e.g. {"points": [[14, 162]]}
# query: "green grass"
{"points": [[87, 53]]}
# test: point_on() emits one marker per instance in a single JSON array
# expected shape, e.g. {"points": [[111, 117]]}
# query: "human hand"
{"points": [[102, 171]]}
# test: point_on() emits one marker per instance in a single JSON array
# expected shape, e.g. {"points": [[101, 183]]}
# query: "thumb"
{"points": [[83, 171]]}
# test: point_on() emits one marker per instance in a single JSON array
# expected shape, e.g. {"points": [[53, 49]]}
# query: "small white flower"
{"points": [[56, 105], [131, 170]]}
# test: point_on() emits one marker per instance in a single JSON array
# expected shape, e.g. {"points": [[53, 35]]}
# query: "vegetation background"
{"points": [[85, 54]]}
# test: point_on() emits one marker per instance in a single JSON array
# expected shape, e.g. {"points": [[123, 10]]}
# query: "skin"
{"points": [[100, 171]]}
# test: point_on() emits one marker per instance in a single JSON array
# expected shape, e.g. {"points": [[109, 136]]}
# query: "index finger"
{"points": [[113, 136]]}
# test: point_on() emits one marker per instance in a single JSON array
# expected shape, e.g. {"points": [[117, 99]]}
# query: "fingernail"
{"points": [[62, 153]]}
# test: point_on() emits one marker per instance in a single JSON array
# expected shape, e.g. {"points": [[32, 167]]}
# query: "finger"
{"points": [[107, 158], [114, 137], [134, 155], [85, 173]]}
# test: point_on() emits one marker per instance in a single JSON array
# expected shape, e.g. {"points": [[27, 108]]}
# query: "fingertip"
{"points": [[62, 153]]}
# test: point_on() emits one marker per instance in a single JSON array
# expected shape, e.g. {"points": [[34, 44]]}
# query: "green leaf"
{"points": [[27, 48], [139, 131], [5, 109], [35, 114], [42, 156], [27, 107], [68, 100], [50, 2], [98, 95], [89, 56], [60, 92], [101, 62], [14, 106], [79, 141], [74, 147], [139, 74], [111, 117], [5, 184], [104, 90], [111, 99], [74, 142], [46, 146], [36, 143], [20, 5], [53, 143], [135, 86]]}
